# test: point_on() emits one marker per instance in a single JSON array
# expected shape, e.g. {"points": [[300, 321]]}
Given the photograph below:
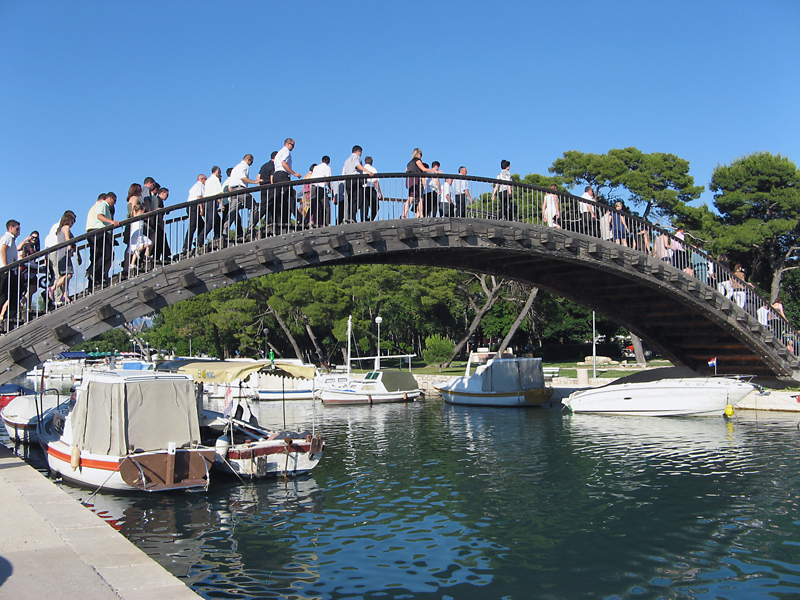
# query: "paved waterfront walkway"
{"points": [[53, 547]]}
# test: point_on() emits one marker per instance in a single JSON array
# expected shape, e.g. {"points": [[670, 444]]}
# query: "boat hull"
{"points": [[520, 398], [272, 395], [678, 397], [147, 471], [21, 417], [347, 397], [270, 458]]}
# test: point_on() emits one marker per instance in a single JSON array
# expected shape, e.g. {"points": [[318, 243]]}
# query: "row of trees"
{"points": [[304, 313], [754, 221]]}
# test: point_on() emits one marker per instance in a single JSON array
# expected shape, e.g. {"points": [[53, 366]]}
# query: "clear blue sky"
{"points": [[97, 95]]}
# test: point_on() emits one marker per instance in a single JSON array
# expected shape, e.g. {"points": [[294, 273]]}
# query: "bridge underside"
{"points": [[685, 320]]}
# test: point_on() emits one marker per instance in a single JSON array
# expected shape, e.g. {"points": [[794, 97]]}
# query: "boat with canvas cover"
{"points": [[671, 391], [130, 431], [501, 381]]}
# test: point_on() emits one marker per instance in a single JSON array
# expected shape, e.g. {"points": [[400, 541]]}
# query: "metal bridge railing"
{"points": [[43, 282]]}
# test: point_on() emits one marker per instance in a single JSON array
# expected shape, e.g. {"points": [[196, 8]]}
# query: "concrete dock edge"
{"points": [[51, 546]]}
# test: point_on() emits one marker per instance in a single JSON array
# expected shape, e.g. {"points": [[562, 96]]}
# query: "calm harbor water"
{"points": [[428, 500]]}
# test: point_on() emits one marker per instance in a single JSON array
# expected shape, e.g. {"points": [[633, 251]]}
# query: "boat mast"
{"points": [[349, 331]]}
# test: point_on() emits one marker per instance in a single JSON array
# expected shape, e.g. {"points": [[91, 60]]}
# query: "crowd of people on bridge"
{"points": [[355, 198]]}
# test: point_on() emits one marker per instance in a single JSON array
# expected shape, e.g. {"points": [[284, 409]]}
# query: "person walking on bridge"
{"points": [[211, 208], [354, 187], [267, 196], [320, 213], [101, 245], [372, 192], [586, 210], [461, 195], [286, 199], [415, 168], [196, 224], [240, 179], [551, 210], [502, 191], [9, 281]]}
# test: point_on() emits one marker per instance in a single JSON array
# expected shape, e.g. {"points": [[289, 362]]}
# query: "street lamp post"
{"points": [[378, 321]]}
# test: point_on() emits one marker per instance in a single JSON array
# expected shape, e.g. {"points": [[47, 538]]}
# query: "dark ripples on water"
{"points": [[435, 501]]}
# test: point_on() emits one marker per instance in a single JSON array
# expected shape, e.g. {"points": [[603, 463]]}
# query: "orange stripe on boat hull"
{"points": [[89, 463]]}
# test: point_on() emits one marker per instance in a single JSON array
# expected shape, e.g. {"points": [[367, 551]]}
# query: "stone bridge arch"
{"points": [[688, 322], [501, 232]]}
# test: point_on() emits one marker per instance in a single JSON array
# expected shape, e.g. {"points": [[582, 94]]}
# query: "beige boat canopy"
{"points": [[115, 418], [228, 371]]}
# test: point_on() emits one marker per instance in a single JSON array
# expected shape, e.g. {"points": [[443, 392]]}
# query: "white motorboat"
{"points": [[672, 391], [9, 391], [501, 381], [130, 430], [376, 387], [22, 415], [248, 450]]}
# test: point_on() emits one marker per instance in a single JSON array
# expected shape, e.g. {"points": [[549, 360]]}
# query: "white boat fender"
{"points": [[221, 447], [75, 458]]}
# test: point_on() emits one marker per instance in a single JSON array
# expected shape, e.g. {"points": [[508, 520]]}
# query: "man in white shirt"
{"points": [[588, 215], [211, 208], [320, 207], [446, 206], [240, 178], [285, 197], [9, 281], [196, 192], [353, 187], [372, 192], [460, 195], [430, 196]]}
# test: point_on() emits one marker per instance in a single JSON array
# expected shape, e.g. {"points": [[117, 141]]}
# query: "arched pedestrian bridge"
{"points": [[688, 307]]}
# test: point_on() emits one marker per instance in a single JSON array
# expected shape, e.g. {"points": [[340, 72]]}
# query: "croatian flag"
{"points": [[226, 409], [713, 362]]}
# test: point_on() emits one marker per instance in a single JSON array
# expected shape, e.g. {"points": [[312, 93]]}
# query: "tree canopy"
{"points": [[655, 181], [758, 199]]}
